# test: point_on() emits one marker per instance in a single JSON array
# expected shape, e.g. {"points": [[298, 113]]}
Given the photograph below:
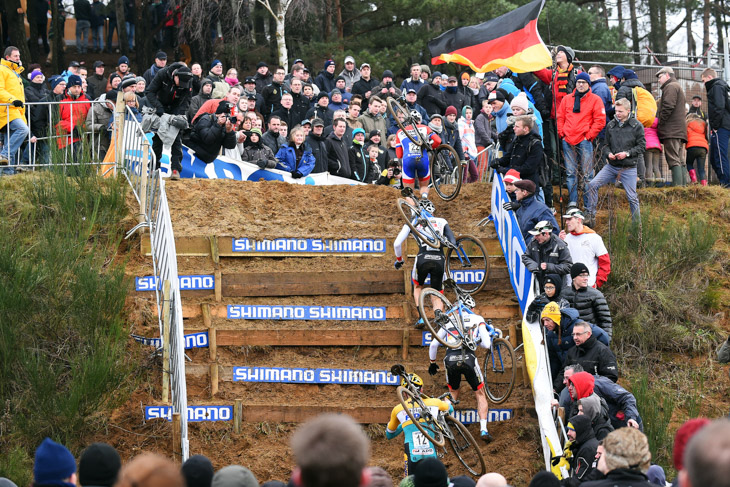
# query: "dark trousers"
{"points": [[176, 154]]}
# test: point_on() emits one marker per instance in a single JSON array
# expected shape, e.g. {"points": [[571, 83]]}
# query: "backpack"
{"points": [[643, 106]]}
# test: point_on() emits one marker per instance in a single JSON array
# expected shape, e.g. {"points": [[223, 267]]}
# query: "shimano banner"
{"points": [[187, 283], [194, 340], [195, 413], [277, 312], [311, 245], [510, 238], [314, 376], [470, 416]]}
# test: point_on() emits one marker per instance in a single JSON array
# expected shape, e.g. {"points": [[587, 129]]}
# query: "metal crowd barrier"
{"points": [[484, 157]]}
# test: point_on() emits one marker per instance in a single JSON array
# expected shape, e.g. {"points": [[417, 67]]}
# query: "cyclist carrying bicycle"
{"points": [[414, 157], [463, 360], [417, 445], [429, 261]]}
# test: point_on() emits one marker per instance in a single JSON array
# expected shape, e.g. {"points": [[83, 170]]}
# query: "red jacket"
{"points": [[71, 116], [586, 124]]}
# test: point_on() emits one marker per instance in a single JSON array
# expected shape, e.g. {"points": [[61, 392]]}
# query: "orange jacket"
{"points": [[697, 134], [586, 124], [72, 116]]}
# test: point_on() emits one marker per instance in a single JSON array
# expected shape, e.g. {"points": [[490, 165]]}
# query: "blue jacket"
{"points": [[568, 318], [288, 161], [501, 117], [530, 213], [600, 88]]}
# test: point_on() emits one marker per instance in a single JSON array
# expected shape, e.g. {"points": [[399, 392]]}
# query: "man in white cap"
{"points": [[586, 246], [350, 73]]}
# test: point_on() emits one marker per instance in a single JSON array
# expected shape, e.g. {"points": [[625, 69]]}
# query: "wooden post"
{"points": [[166, 341], [513, 335], [119, 132], [176, 435], [143, 183], [214, 250], [213, 379], [525, 373], [212, 335], [237, 416], [407, 312], [218, 286], [407, 283], [406, 343]]}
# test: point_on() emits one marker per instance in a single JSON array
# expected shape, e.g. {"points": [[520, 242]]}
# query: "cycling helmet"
{"points": [[416, 116], [415, 380], [468, 301], [427, 205]]}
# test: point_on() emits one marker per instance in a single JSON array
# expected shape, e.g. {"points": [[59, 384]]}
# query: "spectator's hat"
{"points": [[693, 97], [322, 94], [374, 132], [569, 53], [574, 212], [98, 64], [305, 70], [251, 97], [161, 55], [465, 76], [497, 95], [328, 63], [215, 63], [123, 60], [450, 110], [452, 78], [617, 71], [411, 90], [53, 463], [336, 91], [491, 77], [234, 476], [656, 475], [127, 81], [75, 64], [249, 80], [430, 472], [426, 69], [35, 73], [364, 65], [140, 79], [462, 481], [682, 437], [583, 76], [74, 80], [7, 482], [436, 74], [520, 101], [349, 59], [261, 65], [526, 185], [223, 107], [298, 61], [317, 122], [541, 227], [512, 176], [437, 115], [665, 70], [630, 74], [185, 76], [577, 269], [544, 479], [306, 121], [627, 448], [198, 470], [388, 74], [256, 131], [358, 131], [111, 77], [99, 465], [444, 76]]}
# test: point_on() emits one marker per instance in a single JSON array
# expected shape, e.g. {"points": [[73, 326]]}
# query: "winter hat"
{"points": [[328, 63], [379, 478], [322, 94], [215, 63], [656, 475], [577, 269], [569, 53], [465, 76], [540, 227], [53, 463], [387, 73], [425, 69], [249, 79], [436, 74], [127, 81], [197, 470], [234, 476], [627, 448], [511, 176], [340, 77], [583, 76], [34, 73], [261, 65], [430, 472], [682, 437], [112, 76], [630, 74], [450, 110], [463, 481], [140, 79], [544, 479], [74, 80], [520, 101], [123, 60], [223, 107], [317, 122], [617, 71], [99, 466], [491, 77], [358, 131], [334, 92], [526, 185], [555, 280], [551, 311], [349, 59], [373, 133], [497, 95], [256, 131]]}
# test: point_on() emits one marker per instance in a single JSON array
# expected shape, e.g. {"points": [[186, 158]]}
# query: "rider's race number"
{"points": [[420, 445]]}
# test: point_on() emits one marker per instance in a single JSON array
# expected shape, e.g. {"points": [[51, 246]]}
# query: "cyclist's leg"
{"points": [[473, 375], [408, 176], [424, 174], [437, 277], [453, 376]]}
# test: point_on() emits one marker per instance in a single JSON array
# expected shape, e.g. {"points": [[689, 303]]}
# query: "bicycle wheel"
{"points": [[395, 108], [410, 212], [465, 447], [446, 172], [499, 370], [468, 264], [429, 428], [427, 309]]}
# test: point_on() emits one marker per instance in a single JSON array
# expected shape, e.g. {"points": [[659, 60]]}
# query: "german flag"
{"points": [[509, 40]]}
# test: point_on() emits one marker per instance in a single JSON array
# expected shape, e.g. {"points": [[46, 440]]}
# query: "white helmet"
{"points": [[416, 116]]}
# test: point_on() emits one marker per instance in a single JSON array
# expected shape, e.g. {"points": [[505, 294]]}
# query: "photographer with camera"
{"points": [[386, 88], [391, 176], [213, 131]]}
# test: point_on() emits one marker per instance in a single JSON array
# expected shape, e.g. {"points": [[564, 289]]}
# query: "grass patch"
{"points": [[62, 292]]}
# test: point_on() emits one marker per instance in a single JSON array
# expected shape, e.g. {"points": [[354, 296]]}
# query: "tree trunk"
{"points": [[691, 45], [327, 20], [620, 11], [34, 48], [282, 54], [121, 27], [143, 36], [634, 30], [58, 64], [706, 25], [16, 29], [720, 24], [338, 16]]}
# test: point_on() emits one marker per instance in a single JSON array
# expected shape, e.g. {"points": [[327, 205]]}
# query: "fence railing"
{"points": [[137, 162]]}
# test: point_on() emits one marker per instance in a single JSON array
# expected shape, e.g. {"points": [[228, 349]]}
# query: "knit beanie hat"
{"points": [[682, 437], [583, 76], [551, 311], [34, 73], [123, 60], [215, 63], [99, 466], [74, 80], [387, 73], [520, 101], [450, 110], [53, 463], [656, 475], [56, 80], [578, 269], [630, 74], [197, 470], [234, 476], [430, 472], [256, 131], [544, 479], [569, 53], [328, 63], [627, 448]]}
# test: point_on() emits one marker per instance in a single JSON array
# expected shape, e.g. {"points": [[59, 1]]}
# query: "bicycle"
{"points": [[499, 366], [467, 262], [441, 427], [445, 167]]}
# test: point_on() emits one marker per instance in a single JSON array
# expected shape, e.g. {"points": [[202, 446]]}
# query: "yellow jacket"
{"points": [[11, 89]]}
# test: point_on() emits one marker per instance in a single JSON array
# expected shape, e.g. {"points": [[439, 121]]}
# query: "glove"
{"points": [[494, 164], [17, 103], [398, 264], [296, 174], [511, 205], [433, 369], [179, 122], [261, 163]]}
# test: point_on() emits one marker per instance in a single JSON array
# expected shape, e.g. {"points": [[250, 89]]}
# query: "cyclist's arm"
{"points": [[392, 434], [483, 333], [433, 348], [399, 240], [449, 234], [394, 427], [435, 140]]}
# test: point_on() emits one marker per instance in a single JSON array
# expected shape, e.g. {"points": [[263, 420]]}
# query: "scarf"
{"points": [[576, 102], [436, 128], [298, 153]]}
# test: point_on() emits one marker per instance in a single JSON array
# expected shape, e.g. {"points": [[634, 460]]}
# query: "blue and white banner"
{"points": [[195, 413], [510, 238], [470, 416], [315, 376], [469, 276], [276, 312], [193, 340], [187, 283], [311, 245], [226, 168]]}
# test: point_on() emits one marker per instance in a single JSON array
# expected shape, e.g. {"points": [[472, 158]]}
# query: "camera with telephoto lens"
{"points": [[395, 166]]}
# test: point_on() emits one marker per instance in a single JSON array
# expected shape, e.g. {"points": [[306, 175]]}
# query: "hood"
{"points": [[591, 406], [717, 81], [12, 66], [570, 315], [583, 428], [632, 83], [583, 383], [205, 81]]}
